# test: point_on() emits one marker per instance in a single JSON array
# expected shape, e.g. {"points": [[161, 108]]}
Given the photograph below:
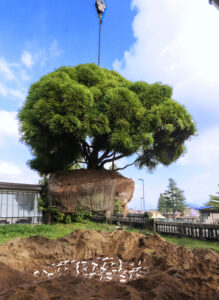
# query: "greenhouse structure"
{"points": [[19, 203]]}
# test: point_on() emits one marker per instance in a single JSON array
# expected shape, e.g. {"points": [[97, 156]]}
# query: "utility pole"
{"points": [[143, 200]]}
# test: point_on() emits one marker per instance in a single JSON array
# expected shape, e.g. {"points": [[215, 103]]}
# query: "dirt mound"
{"points": [[102, 265], [9, 276]]}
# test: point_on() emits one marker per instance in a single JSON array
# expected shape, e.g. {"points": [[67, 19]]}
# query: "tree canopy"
{"points": [[172, 199], [86, 114], [214, 200]]}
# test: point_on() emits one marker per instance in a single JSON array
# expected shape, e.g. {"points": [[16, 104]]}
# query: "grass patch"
{"points": [[192, 243], [9, 232]]}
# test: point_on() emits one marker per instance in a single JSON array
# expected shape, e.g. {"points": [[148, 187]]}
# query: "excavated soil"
{"points": [[102, 265]]}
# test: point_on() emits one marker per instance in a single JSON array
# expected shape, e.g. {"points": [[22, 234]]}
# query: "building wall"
{"points": [[214, 218]]}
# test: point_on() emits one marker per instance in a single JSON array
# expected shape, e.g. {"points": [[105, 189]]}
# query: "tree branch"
{"points": [[105, 155], [87, 145], [110, 160], [84, 152], [118, 169]]}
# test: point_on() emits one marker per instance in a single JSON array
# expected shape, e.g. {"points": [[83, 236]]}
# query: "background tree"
{"points": [[214, 200], [174, 198], [86, 114], [162, 204]]}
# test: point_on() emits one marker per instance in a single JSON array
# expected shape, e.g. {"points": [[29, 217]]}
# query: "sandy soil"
{"points": [[101, 265]]}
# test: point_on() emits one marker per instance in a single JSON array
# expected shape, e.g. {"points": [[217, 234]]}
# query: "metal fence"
{"points": [[193, 230]]}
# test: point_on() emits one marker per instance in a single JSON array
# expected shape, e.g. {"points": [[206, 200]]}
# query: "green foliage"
{"points": [[8, 232], [162, 204], [44, 201], [95, 115], [148, 214], [193, 243], [118, 208], [172, 200], [50, 212], [214, 200], [76, 166], [81, 214]]}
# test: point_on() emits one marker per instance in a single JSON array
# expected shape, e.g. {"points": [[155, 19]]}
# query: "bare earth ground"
{"points": [[102, 265]]}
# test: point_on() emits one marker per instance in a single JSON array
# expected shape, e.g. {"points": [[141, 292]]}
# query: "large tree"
{"points": [[86, 114], [173, 199]]}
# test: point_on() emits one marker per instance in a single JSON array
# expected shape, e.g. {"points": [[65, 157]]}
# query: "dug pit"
{"points": [[106, 265]]}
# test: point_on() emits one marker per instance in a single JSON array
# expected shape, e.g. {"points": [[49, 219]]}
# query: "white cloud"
{"points": [[18, 94], [10, 172], [8, 168], [5, 69], [203, 150], [27, 59], [3, 90], [174, 45], [54, 49], [8, 125], [202, 155], [24, 75]]}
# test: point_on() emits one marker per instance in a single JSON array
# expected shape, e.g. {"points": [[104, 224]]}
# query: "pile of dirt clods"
{"points": [[106, 265]]}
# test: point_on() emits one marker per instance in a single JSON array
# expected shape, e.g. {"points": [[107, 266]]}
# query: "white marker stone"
{"points": [[36, 273], [108, 273], [106, 258], [60, 264], [66, 261]]}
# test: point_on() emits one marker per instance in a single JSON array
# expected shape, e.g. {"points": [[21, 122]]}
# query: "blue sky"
{"points": [[165, 40]]}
